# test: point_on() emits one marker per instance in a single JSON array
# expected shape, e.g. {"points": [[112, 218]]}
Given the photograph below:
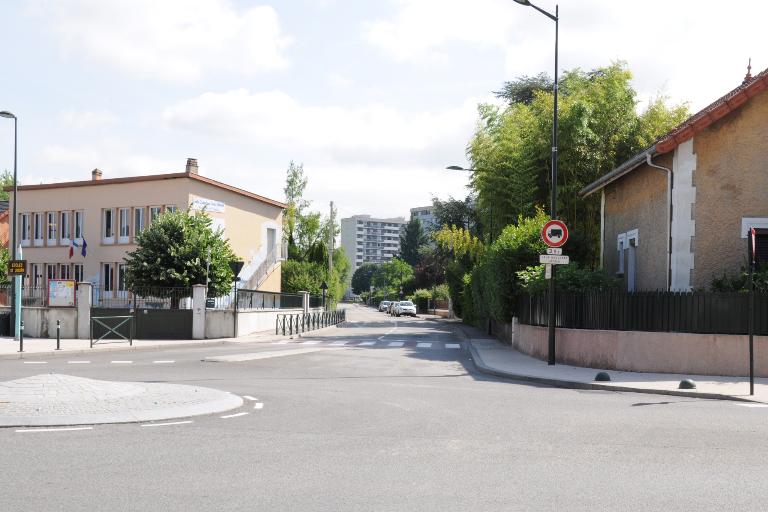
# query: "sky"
{"points": [[375, 97]]}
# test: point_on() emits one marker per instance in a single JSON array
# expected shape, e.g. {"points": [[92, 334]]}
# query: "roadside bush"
{"points": [[569, 278], [441, 292], [740, 282], [421, 298]]}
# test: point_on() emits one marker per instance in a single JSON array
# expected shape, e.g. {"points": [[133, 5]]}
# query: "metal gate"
{"points": [[159, 313]]}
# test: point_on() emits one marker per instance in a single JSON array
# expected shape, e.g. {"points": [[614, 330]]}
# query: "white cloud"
{"points": [[174, 40], [86, 120], [369, 132]]}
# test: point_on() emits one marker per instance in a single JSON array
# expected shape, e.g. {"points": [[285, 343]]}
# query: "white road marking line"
{"points": [[65, 429], [258, 406], [35, 362], [284, 342], [423, 345], [452, 345], [312, 342], [249, 397], [121, 362], [367, 343], [166, 424], [164, 362], [339, 343], [396, 344], [234, 415], [78, 362], [753, 405]]}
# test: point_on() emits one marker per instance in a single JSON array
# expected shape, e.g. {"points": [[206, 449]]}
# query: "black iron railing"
{"points": [[142, 298], [288, 324], [694, 312]]}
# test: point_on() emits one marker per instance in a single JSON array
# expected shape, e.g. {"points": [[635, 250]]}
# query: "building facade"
{"points": [[82, 230], [369, 240], [426, 216], [677, 215]]}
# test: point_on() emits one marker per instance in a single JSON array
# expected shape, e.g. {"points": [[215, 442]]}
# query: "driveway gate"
{"points": [[162, 313]]}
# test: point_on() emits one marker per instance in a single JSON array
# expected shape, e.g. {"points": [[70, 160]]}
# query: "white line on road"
{"points": [[339, 343], [35, 362], [249, 397], [78, 362], [65, 429], [423, 345], [234, 415], [452, 345], [312, 342], [396, 344], [389, 331], [166, 424], [164, 362], [753, 405], [121, 362], [367, 343], [258, 406]]}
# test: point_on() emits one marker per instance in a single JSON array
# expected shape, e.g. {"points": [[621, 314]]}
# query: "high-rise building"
{"points": [[426, 216], [369, 240]]}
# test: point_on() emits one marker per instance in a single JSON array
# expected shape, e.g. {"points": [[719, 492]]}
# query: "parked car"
{"points": [[383, 305], [405, 307], [391, 307]]}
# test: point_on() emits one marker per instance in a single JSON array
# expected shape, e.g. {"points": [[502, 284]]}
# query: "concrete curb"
{"points": [[568, 384]]}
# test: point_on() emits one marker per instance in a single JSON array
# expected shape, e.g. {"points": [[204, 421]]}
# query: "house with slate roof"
{"points": [[677, 214]]}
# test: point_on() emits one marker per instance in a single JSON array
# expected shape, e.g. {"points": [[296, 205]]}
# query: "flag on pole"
{"points": [[71, 248], [84, 246]]}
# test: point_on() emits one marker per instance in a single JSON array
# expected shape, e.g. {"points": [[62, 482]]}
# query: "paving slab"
{"points": [[59, 400]]}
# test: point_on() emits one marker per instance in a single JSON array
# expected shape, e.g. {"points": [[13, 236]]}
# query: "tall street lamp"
{"points": [[553, 215], [13, 249], [490, 209]]}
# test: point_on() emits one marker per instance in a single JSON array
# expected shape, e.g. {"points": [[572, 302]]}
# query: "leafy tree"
{"points": [[172, 252], [459, 242], [361, 279], [295, 184], [309, 276], [455, 212], [4, 279], [412, 239], [523, 89], [571, 278], [6, 180], [391, 276]]}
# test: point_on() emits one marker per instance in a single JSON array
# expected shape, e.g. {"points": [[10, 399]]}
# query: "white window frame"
{"points": [[138, 221], [36, 275], [77, 272], [65, 271], [65, 227], [26, 229], [108, 229], [122, 270], [154, 212], [621, 245], [107, 279], [171, 208], [123, 228], [51, 228], [38, 230], [78, 226], [50, 272]]}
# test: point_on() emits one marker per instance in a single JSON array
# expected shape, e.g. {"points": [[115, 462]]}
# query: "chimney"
{"points": [[192, 165], [95, 175]]}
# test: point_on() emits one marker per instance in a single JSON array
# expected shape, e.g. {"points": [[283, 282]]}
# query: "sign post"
{"points": [[555, 234], [752, 251]]}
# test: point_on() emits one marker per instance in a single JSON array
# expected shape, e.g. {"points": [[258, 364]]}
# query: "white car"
{"points": [[405, 307], [384, 305]]}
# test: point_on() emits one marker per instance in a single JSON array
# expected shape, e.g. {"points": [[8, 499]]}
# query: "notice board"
{"points": [[61, 293]]}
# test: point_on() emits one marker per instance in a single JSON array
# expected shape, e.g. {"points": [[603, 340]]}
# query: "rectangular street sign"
{"points": [[555, 250], [553, 259], [547, 271], [17, 267]]}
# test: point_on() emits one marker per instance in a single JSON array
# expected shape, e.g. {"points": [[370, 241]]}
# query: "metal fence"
{"points": [[36, 297], [300, 322], [694, 312], [255, 299], [142, 298]]}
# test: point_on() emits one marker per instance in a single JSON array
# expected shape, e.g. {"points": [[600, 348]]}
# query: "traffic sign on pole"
{"points": [[554, 233], [552, 259]]}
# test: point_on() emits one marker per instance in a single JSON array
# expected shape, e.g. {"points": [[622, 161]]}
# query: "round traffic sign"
{"points": [[554, 233]]}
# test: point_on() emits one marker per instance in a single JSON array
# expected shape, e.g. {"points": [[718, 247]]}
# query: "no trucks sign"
{"points": [[554, 233]]}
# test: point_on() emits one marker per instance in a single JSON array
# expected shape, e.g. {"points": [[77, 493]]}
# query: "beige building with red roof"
{"points": [[56, 220], [677, 214]]}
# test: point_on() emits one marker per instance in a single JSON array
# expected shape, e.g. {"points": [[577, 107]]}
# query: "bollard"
{"points": [[21, 336], [58, 334]]}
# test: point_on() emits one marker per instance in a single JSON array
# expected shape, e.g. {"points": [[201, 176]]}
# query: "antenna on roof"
{"points": [[748, 77]]}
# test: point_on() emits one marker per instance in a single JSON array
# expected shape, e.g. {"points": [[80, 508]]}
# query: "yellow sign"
{"points": [[17, 267]]}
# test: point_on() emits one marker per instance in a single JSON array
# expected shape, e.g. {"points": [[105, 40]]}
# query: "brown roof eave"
{"points": [[629, 165]]}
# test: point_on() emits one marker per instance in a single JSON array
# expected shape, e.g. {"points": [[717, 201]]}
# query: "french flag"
{"points": [[82, 247]]}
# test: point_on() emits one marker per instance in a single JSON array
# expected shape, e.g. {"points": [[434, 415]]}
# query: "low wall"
{"points": [[662, 352], [221, 323], [41, 322]]}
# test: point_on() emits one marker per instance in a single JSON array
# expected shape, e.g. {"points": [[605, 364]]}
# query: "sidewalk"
{"points": [[496, 358]]}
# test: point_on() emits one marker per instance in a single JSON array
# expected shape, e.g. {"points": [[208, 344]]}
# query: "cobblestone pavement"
{"points": [[55, 399]]}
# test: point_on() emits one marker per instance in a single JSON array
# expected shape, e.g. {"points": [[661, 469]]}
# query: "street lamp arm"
{"points": [[545, 13]]}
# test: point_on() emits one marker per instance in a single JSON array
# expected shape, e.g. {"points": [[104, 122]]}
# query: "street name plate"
{"points": [[554, 250], [553, 259], [17, 267]]}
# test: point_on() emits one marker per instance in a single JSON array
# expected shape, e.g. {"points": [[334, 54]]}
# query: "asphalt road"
{"points": [[382, 427]]}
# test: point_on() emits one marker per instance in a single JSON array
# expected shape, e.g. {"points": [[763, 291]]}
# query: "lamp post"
{"points": [[324, 287], [490, 209], [13, 249], [553, 215]]}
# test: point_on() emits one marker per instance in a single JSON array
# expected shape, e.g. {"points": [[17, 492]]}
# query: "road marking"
{"points": [[423, 345], [249, 397], [166, 424], [234, 415], [65, 429], [367, 343], [753, 405], [35, 362], [389, 331], [164, 362], [258, 406], [339, 343], [121, 362], [78, 362], [312, 342], [452, 345], [239, 358], [396, 344], [284, 342]]}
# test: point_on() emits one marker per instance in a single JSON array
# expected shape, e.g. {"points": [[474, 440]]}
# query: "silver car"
{"points": [[383, 305], [405, 307]]}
